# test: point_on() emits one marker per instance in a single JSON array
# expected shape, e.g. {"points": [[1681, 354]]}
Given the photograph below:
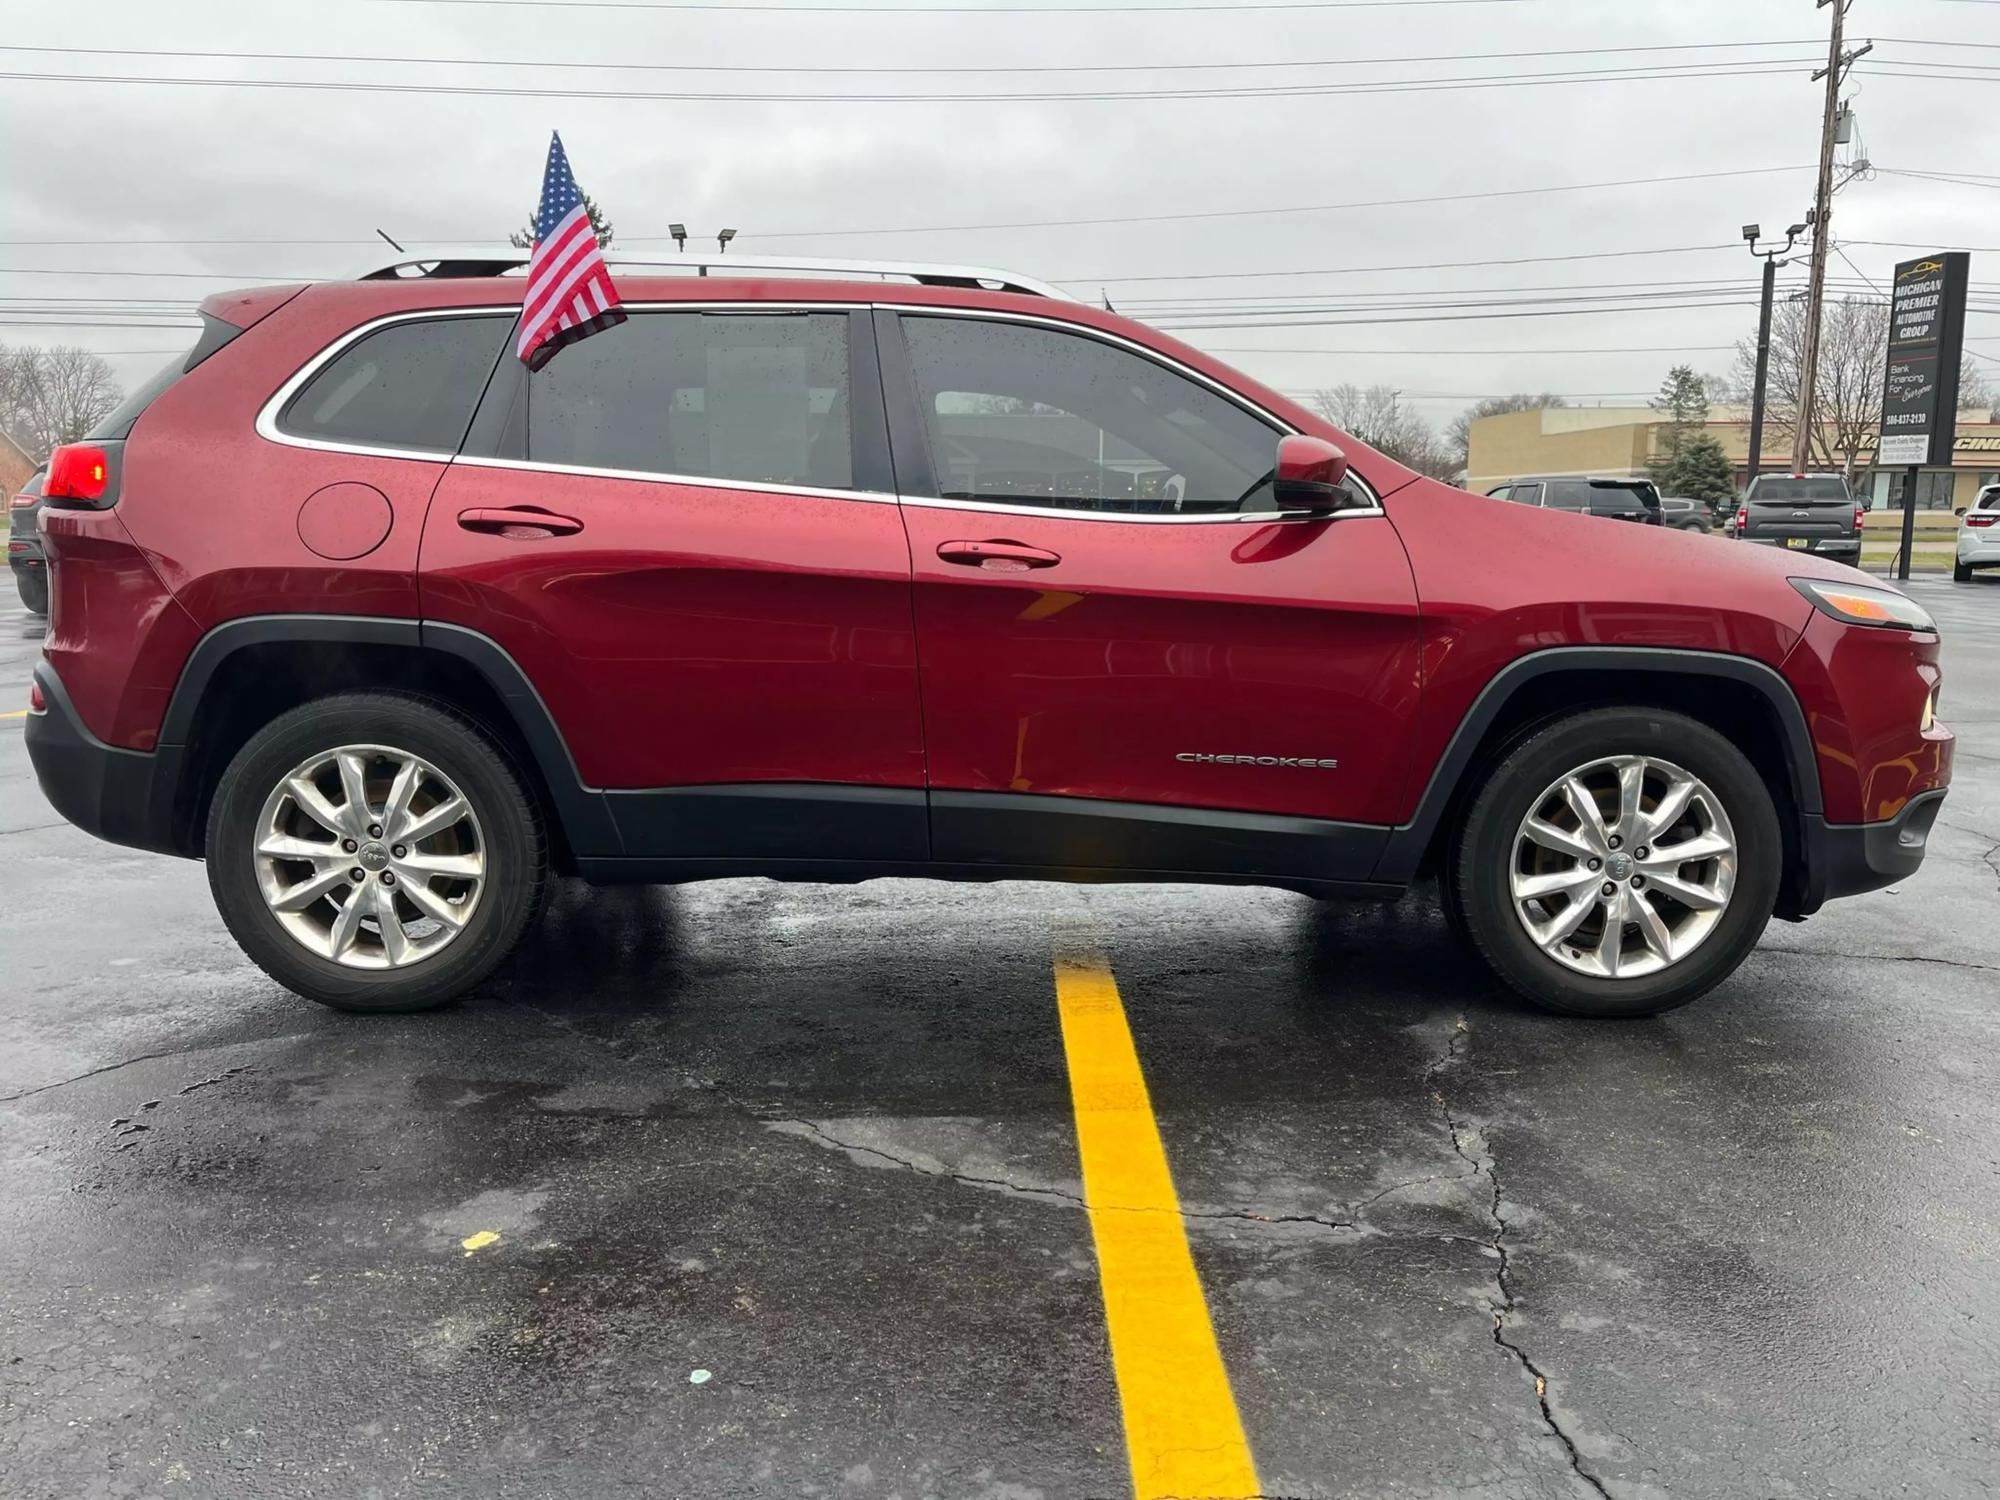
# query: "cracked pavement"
{"points": [[817, 1142]]}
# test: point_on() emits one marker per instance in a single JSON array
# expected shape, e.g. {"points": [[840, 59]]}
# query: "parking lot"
{"points": [[754, 1189]]}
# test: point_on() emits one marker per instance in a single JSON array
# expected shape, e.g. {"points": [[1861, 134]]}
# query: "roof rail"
{"points": [[484, 260]]}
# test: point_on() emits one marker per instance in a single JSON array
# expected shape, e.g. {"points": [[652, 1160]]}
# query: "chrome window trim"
{"points": [[1210, 518], [267, 415], [691, 481], [268, 429], [1065, 325]]}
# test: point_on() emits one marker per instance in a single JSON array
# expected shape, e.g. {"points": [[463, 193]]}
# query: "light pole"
{"points": [[1771, 263]]}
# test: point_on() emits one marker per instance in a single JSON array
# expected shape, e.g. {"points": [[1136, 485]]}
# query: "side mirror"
{"points": [[1309, 475], [1960, 511]]}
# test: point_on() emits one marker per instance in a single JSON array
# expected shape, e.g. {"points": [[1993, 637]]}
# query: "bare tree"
{"points": [[1854, 339], [53, 396], [1458, 433], [1377, 416]]}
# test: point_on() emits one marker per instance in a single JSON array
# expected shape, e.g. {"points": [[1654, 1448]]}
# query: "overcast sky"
{"points": [[108, 162]]}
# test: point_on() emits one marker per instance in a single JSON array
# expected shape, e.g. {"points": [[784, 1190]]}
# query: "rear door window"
{"points": [[409, 386], [1527, 494], [1569, 494], [757, 398]]}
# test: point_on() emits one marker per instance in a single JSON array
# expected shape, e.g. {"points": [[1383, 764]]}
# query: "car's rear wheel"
{"points": [[33, 588], [1618, 863], [1960, 573], [374, 852]]}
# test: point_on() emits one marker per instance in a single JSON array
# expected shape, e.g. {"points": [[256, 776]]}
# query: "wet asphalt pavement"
{"points": [[817, 1142]]}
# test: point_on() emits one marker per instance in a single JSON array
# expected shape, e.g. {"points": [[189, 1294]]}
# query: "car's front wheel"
{"points": [[374, 852], [1618, 863]]}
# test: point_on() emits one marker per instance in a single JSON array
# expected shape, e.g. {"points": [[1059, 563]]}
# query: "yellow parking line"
{"points": [[1182, 1431], [15, 713]]}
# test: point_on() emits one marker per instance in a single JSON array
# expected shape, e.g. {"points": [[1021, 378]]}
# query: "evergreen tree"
{"points": [[524, 238], [1683, 401], [1700, 471]]}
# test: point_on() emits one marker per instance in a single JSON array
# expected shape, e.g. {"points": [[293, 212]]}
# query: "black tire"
{"points": [[34, 591], [515, 847], [1960, 573], [1479, 859]]}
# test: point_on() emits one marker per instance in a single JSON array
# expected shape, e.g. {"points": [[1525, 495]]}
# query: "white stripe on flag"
{"points": [[543, 305]]}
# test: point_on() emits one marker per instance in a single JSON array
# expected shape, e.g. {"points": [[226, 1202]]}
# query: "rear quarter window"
{"points": [[409, 385]]}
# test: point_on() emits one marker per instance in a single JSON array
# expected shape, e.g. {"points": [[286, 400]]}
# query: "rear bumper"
{"points": [[122, 796], [1821, 546], [1845, 859]]}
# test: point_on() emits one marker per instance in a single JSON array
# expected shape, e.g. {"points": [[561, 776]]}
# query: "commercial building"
{"points": [[1617, 441]]}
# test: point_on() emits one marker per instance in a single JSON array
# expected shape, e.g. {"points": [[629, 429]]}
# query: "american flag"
{"points": [[570, 295]]}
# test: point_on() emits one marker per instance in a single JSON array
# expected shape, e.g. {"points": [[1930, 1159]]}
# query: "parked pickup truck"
{"points": [[1803, 513]]}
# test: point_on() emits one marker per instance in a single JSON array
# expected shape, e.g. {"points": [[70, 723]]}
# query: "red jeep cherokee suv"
{"points": [[915, 571]]}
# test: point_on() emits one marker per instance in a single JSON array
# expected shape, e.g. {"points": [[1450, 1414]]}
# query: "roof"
{"points": [[488, 260]]}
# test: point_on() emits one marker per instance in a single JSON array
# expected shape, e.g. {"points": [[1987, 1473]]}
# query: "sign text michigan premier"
{"points": [[1926, 330]]}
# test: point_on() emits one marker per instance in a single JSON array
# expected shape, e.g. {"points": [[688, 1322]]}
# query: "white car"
{"points": [[1978, 535]]}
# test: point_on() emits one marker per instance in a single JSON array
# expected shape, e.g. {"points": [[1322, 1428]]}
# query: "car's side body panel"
{"points": [[716, 679]]}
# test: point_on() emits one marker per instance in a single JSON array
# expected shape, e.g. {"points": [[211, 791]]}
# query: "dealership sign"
{"points": [[1926, 334]]}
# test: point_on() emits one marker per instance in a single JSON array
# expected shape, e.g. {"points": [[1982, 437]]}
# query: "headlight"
{"points": [[1852, 604]]}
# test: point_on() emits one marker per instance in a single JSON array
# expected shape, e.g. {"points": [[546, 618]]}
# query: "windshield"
{"points": [[1795, 491]]}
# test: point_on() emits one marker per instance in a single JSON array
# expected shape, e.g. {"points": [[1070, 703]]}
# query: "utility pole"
{"points": [[1835, 72]]}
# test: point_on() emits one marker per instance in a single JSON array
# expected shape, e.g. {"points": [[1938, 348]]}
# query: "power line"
{"points": [[1559, 312], [1245, 213], [1991, 187], [1630, 73], [1460, 353], [844, 69], [1435, 265], [924, 10], [1162, 218]]}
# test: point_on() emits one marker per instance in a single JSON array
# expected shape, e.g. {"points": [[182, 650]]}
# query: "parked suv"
{"points": [[1802, 513], [1619, 498], [1978, 535], [24, 547], [387, 630]]}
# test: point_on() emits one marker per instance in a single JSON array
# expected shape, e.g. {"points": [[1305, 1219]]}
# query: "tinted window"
{"points": [[1031, 415], [1527, 494], [759, 397], [1622, 499], [1785, 488], [410, 385], [1988, 500], [1500, 494], [1569, 494]]}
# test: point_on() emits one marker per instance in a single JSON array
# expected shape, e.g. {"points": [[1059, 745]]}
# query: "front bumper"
{"points": [[1845, 859], [122, 796]]}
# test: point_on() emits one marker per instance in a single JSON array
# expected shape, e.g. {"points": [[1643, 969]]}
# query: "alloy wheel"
{"points": [[370, 856], [1623, 867]]}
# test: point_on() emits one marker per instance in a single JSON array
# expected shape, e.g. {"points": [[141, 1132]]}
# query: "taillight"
{"points": [[1860, 516], [83, 474], [37, 704], [77, 471], [1742, 517], [1973, 518], [23, 500]]}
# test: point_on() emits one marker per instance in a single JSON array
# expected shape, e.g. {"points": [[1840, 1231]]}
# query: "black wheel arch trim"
{"points": [[587, 823], [1409, 842]]}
